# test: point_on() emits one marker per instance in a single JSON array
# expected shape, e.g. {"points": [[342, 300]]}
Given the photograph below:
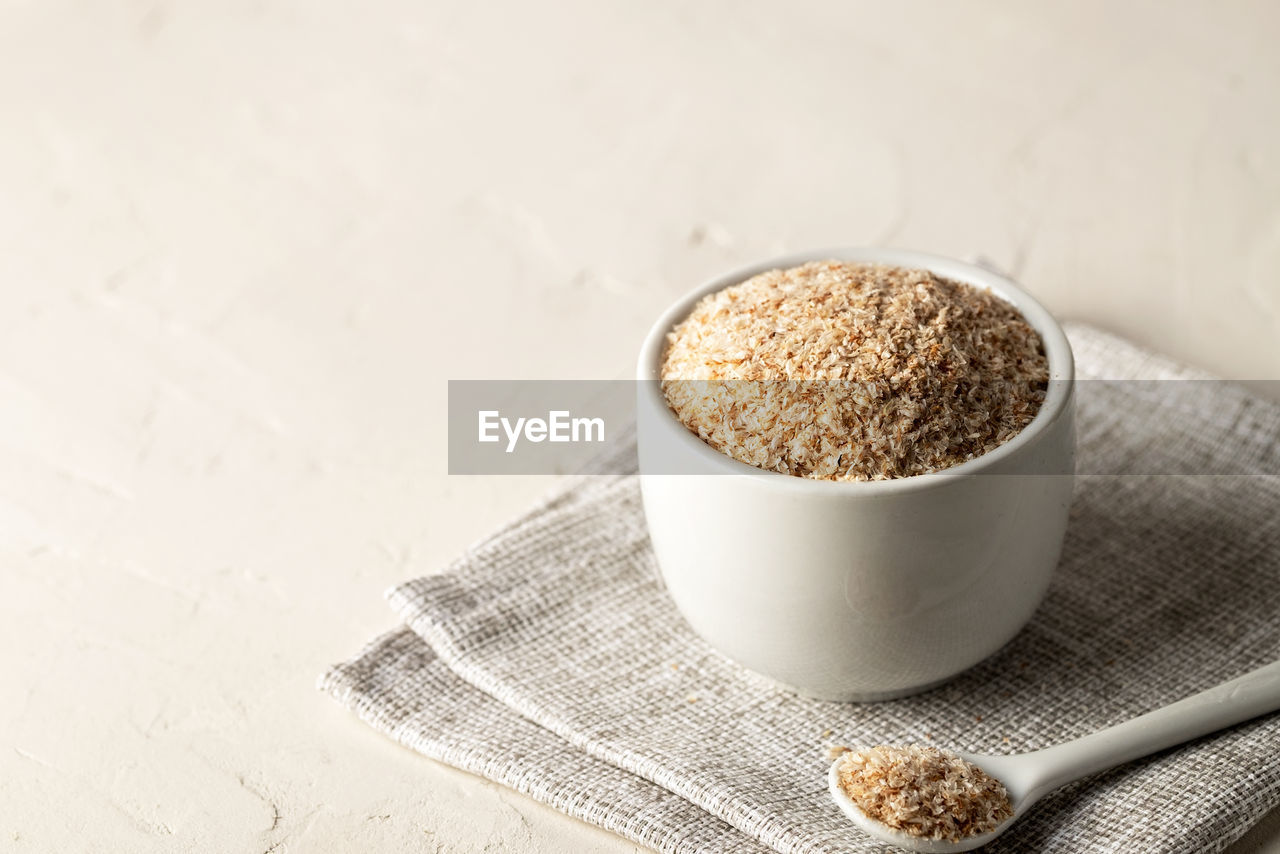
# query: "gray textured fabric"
{"points": [[548, 657], [399, 686]]}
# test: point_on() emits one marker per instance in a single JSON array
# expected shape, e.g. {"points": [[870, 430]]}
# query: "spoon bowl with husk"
{"points": [[1027, 777]]}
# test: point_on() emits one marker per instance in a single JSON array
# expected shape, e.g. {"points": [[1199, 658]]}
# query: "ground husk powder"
{"points": [[840, 371], [924, 791]]}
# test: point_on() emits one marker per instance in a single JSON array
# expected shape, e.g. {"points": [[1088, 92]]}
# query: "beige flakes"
{"points": [[837, 371], [925, 792]]}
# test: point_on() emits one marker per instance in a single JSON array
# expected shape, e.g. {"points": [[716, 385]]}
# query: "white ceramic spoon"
{"points": [[1030, 776]]}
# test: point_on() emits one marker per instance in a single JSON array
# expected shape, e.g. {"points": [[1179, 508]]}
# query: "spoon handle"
{"points": [[1230, 703]]}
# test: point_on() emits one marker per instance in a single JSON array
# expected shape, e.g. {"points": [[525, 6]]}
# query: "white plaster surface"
{"points": [[244, 244]]}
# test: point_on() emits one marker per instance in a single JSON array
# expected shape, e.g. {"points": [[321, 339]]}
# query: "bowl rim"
{"points": [[1057, 351]]}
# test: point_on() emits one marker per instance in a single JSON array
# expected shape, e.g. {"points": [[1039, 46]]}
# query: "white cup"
{"points": [[859, 590]]}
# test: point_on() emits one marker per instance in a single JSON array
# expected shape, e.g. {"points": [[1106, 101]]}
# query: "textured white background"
{"points": [[244, 244]]}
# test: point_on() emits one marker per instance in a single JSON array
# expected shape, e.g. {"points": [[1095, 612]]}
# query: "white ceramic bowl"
{"points": [[859, 590]]}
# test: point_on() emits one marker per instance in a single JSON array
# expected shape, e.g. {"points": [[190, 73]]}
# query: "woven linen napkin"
{"points": [[549, 658]]}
